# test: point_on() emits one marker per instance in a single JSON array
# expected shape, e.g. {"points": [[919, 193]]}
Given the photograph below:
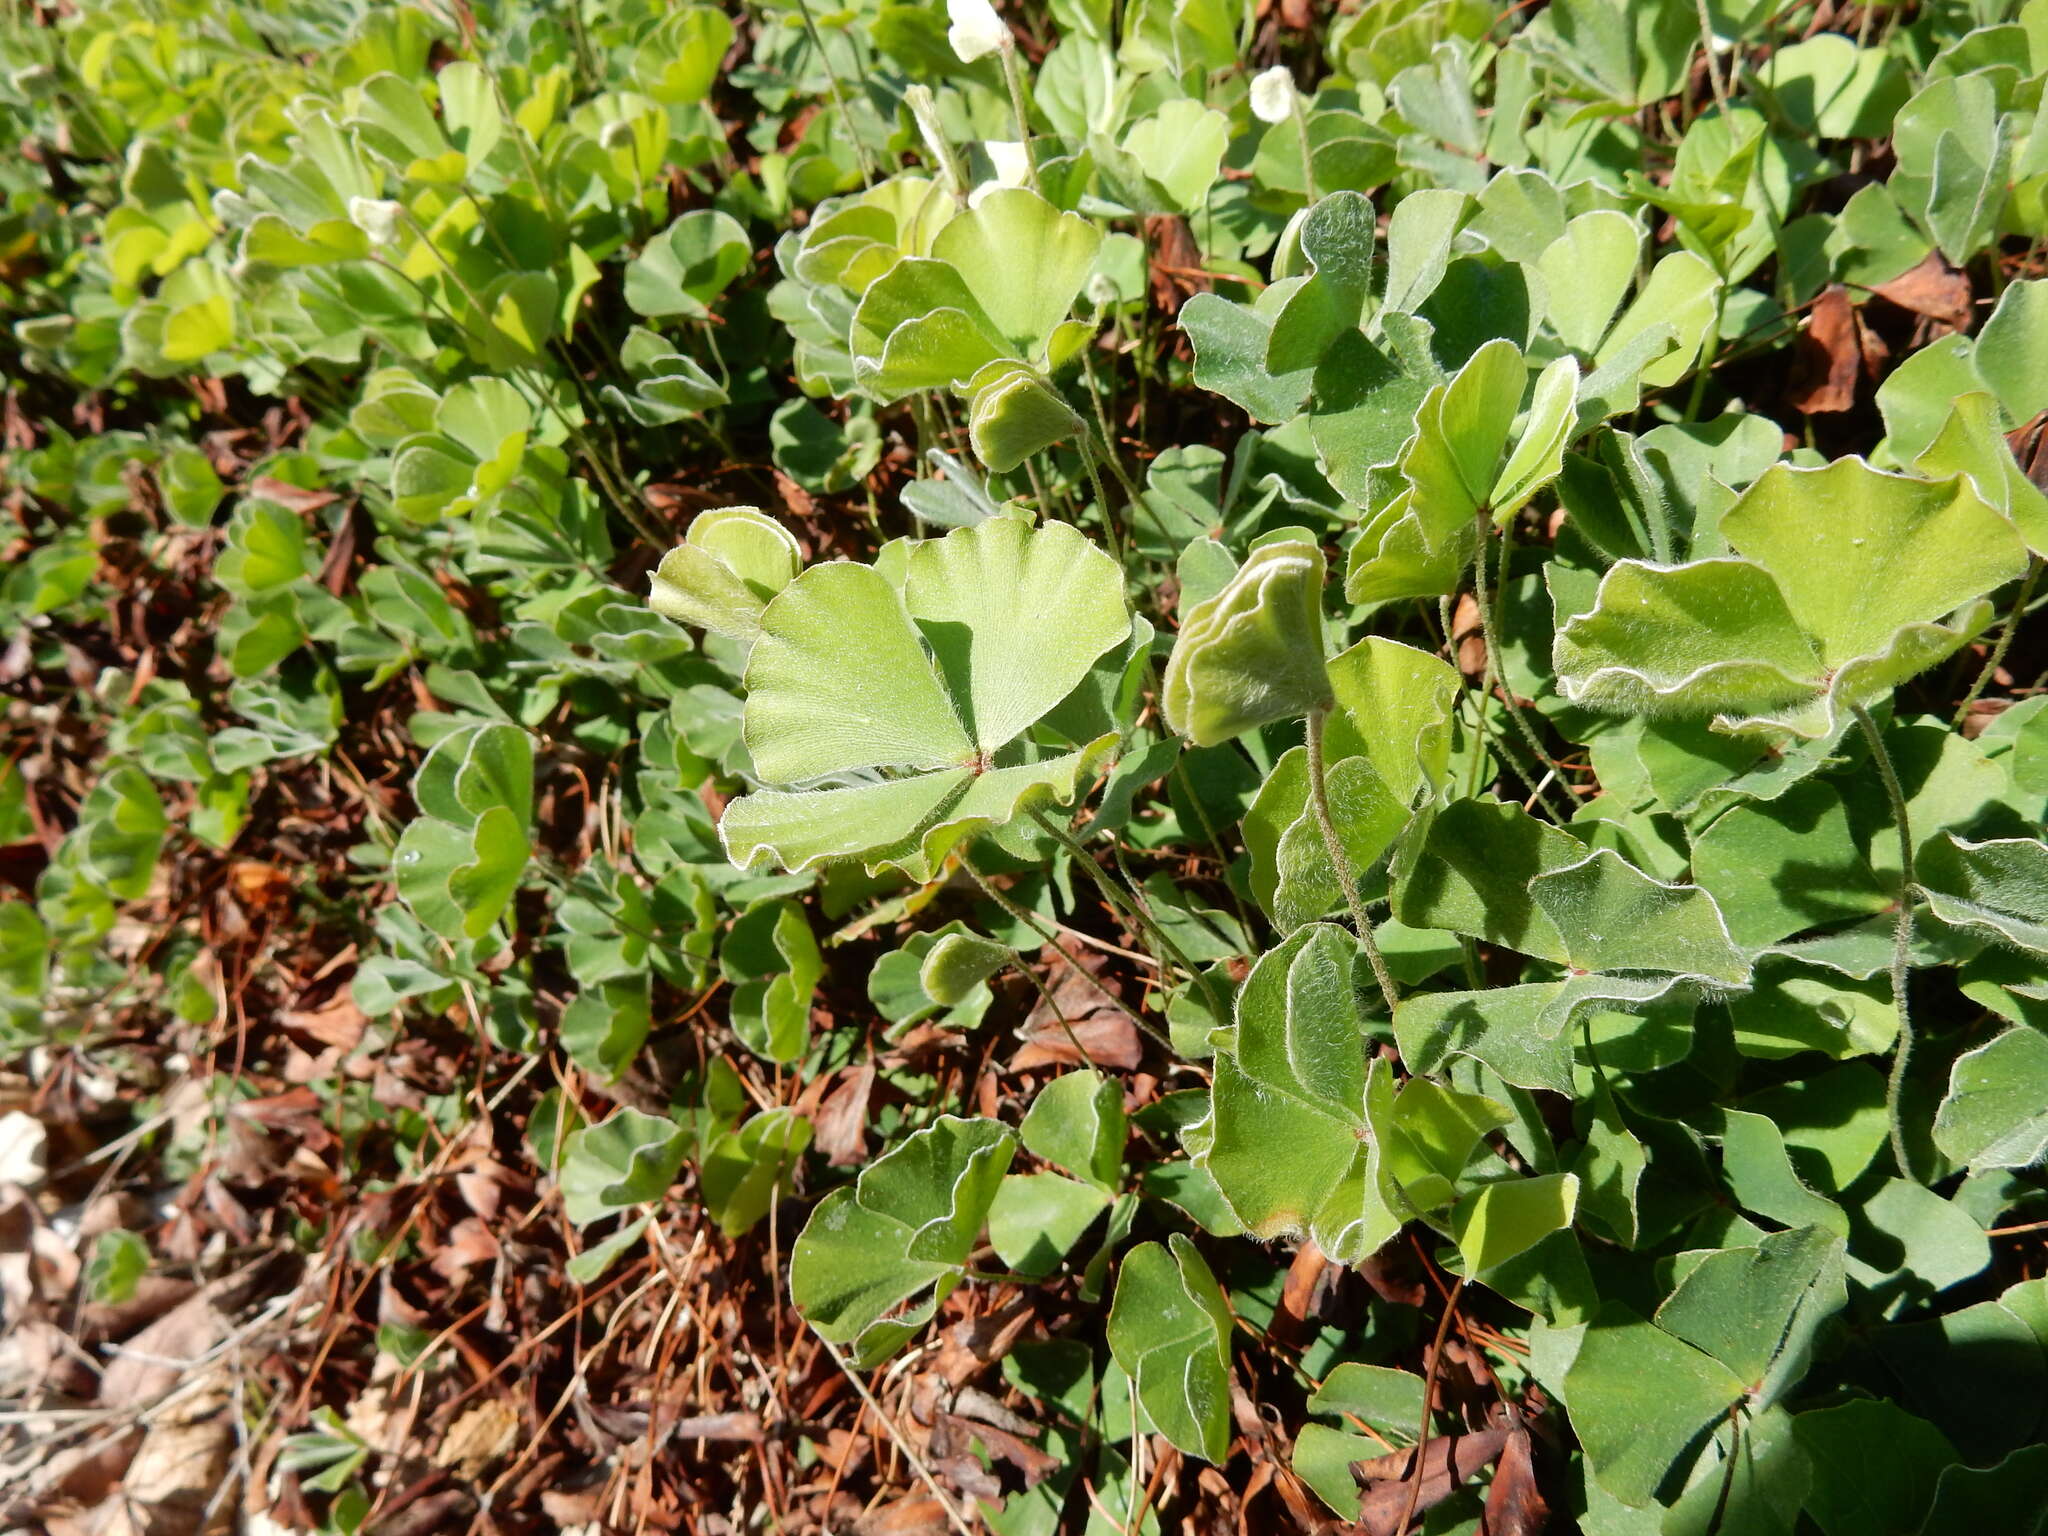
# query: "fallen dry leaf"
{"points": [[1934, 289], [1514, 1506], [1827, 356], [161, 1355], [1447, 1463], [840, 1124], [905, 1517], [24, 1155], [482, 1435]]}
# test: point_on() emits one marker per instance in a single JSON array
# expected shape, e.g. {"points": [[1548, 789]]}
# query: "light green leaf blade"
{"points": [[1077, 1122], [1015, 414], [1756, 1309], [1023, 260], [1015, 616], [1473, 874], [730, 563], [1639, 1398], [627, 1159], [1538, 455], [687, 265], [1230, 342], [1181, 148], [837, 680], [1498, 1221], [957, 964], [1998, 887], [1288, 1141], [1587, 272], [905, 1226], [1995, 1113], [1169, 1328], [1616, 918], [1860, 554], [801, 829], [1037, 1218], [745, 1170], [1712, 637]]}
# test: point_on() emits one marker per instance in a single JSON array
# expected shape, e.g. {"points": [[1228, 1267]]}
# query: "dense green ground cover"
{"points": [[1150, 766]]}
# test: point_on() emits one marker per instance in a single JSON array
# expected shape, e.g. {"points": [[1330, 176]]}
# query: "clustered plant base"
{"points": [[1122, 768]]}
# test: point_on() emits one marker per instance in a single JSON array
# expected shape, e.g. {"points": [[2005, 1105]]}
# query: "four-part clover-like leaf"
{"points": [[1846, 581], [901, 712]]}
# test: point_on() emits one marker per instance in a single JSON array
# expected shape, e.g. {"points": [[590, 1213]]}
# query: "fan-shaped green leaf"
{"points": [[1635, 1439], [1078, 1122], [1616, 918], [625, 1160], [1998, 887], [1015, 616], [1860, 554], [1023, 260], [731, 562], [1014, 413], [687, 265], [838, 680], [1995, 1114], [1292, 1139], [1499, 1221], [905, 1227], [1169, 1328]]}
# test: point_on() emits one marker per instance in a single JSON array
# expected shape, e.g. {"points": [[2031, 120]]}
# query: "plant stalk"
{"points": [[2003, 643], [1013, 76], [1902, 940], [1127, 904], [1340, 861], [860, 148], [1489, 630], [1308, 158]]}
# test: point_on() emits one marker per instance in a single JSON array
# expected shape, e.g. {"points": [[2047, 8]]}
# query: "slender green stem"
{"points": [[1102, 500], [1902, 939], [1031, 921], [1705, 372], [1109, 454], [1340, 861], [1308, 158], [1132, 908], [1013, 75], [1713, 62], [860, 148], [2003, 643], [1490, 630], [1215, 840]]}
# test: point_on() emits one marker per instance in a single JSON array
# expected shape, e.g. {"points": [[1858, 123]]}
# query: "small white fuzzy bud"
{"points": [[1007, 156], [376, 217], [1273, 95], [976, 30]]}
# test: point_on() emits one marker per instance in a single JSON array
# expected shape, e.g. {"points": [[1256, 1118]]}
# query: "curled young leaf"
{"points": [[1253, 653], [730, 563]]}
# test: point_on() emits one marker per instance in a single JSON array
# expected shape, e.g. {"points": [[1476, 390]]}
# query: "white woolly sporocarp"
{"points": [[976, 30]]}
